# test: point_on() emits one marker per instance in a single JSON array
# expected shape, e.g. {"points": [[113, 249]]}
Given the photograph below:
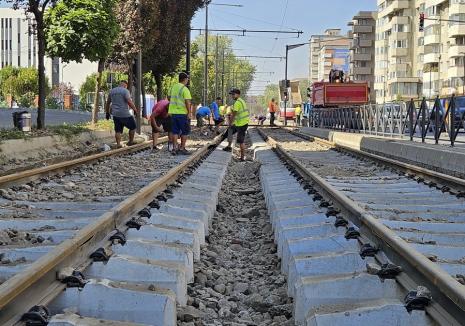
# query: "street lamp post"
{"points": [[288, 47]]}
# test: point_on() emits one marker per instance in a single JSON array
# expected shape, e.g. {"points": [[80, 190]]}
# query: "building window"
{"points": [[421, 41]]}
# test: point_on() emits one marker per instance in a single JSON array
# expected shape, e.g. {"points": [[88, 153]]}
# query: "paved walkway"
{"points": [[52, 117]]}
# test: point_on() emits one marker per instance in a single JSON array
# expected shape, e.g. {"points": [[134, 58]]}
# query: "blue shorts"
{"points": [[120, 123], [181, 124]]}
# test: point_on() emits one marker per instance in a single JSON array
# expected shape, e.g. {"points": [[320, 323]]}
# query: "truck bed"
{"points": [[335, 94]]}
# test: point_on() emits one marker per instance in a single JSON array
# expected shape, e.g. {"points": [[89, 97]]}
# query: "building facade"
{"points": [[327, 51], [362, 49], [411, 63], [18, 48]]}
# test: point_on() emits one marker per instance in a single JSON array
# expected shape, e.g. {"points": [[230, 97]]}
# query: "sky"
{"points": [[309, 16]]}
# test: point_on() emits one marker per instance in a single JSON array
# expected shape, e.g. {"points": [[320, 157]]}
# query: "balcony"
{"points": [[365, 43], [431, 58], [432, 39], [457, 30], [404, 67], [364, 29], [457, 8], [399, 52], [457, 71], [393, 7], [362, 71], [427, 76], [456, 51], [361, 57]]}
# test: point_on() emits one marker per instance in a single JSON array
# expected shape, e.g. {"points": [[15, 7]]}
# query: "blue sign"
{"points": [[342, 59]]}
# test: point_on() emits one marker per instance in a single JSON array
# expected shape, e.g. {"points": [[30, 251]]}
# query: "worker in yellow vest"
{"points": [[181, 113], [298, 112], [239, 122]]}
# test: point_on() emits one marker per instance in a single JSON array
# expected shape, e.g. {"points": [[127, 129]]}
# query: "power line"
{"points": [[244, 31]]}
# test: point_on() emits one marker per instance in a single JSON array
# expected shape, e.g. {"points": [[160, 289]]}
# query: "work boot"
{"points": [[227, 149], [183, 152]]}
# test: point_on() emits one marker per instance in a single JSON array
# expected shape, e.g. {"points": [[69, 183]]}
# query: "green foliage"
{"points": [[21, 83], [271, 91], [78, 29], [89, 84]]}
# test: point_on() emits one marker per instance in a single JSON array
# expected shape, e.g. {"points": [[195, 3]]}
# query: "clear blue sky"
{"points": [[309, 16]]}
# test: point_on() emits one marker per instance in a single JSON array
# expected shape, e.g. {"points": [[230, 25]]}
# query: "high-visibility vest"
{"points": [[242, 113], [178, 97]]}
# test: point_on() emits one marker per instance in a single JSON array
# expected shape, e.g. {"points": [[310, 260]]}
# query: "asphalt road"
{"points": [[52, 117]]}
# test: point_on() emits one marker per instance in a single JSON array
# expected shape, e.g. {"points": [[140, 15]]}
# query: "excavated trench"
{"points": [[238, 281]]}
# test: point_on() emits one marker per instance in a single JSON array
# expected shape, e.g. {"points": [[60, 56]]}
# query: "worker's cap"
{"points": [[183, 75], [234, 91]]}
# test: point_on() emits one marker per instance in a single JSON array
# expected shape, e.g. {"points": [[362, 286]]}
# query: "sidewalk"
{"points": [[442, 158]]}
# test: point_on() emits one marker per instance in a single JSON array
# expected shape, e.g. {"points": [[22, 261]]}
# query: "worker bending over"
{"points": [[158, 119]]}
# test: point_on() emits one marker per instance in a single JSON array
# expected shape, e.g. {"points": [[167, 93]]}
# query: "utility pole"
{"points": [[216, 67], [205, 71], [222, 80], [188, 54], [285, 83], [139, 91]]}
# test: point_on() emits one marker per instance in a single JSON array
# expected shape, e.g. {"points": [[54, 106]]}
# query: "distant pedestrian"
{"points": [[240, 117], [261, 119], [202, 113], [216, 114], [181, 113], [298, 113], [272, 108], [158, 119], [118, 103]]}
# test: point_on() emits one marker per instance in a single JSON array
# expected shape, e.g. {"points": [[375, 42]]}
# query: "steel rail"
{"points": [[37, 173], [438, 177], [38, 282], [446, 290]]}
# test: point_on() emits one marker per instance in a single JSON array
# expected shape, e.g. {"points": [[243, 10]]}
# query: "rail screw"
{"points": [[36, 316], [352, 233], [418, 300], [367, 250]]}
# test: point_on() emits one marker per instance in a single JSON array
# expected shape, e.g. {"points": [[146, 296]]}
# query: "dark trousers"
{"points": [[272, 118]]}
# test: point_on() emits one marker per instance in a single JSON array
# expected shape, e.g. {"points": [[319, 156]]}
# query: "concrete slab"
{"points": [[121, 302], [36, 225], [189, 213], [181, 222], [394, 314], [157, 250], [167, 234], [314, 292], [309, 246], [162, 274], [319, 265], [69, 319]]}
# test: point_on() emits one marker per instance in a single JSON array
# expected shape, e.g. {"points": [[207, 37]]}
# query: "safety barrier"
{"points": [[422, 119]]}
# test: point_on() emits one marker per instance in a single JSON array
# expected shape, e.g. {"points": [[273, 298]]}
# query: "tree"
{"points": [[37, 9], [166, 41], [271, 91], [78, 29]]}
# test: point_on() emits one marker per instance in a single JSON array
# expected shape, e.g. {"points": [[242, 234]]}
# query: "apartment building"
{"points": [[410, 63], [18, 47], [362, 49], [328, 51]]}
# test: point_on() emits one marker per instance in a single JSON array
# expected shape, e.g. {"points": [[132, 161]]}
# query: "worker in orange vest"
{"points": [[273, 108]]}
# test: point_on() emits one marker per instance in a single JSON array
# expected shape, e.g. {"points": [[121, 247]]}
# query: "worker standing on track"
{"points": [[217, 117], [272, 108], [181, 113], [240, 122], [159, 118], [118, 103], [298, 112]]}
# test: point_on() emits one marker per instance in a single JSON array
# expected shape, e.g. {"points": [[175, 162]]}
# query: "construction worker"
{"points": [[240, 122], [202, 113], [217, 116], [181, 113], [159, 118], [298, 112], [272, 108], [118, 103]]}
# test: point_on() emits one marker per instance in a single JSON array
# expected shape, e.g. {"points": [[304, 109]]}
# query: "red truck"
{"points": [[333, 95]]}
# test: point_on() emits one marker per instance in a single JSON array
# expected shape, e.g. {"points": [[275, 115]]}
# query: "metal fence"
{"points": [[438, 119]]}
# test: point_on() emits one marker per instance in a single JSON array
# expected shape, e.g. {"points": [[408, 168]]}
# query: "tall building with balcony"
{"points": [[328, 51], [455, 49], [398, 53], [317, 43], [362, 49]]}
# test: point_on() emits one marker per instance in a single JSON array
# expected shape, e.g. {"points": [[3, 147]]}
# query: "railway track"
{"points": [[408, 220], [51, 217]]}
